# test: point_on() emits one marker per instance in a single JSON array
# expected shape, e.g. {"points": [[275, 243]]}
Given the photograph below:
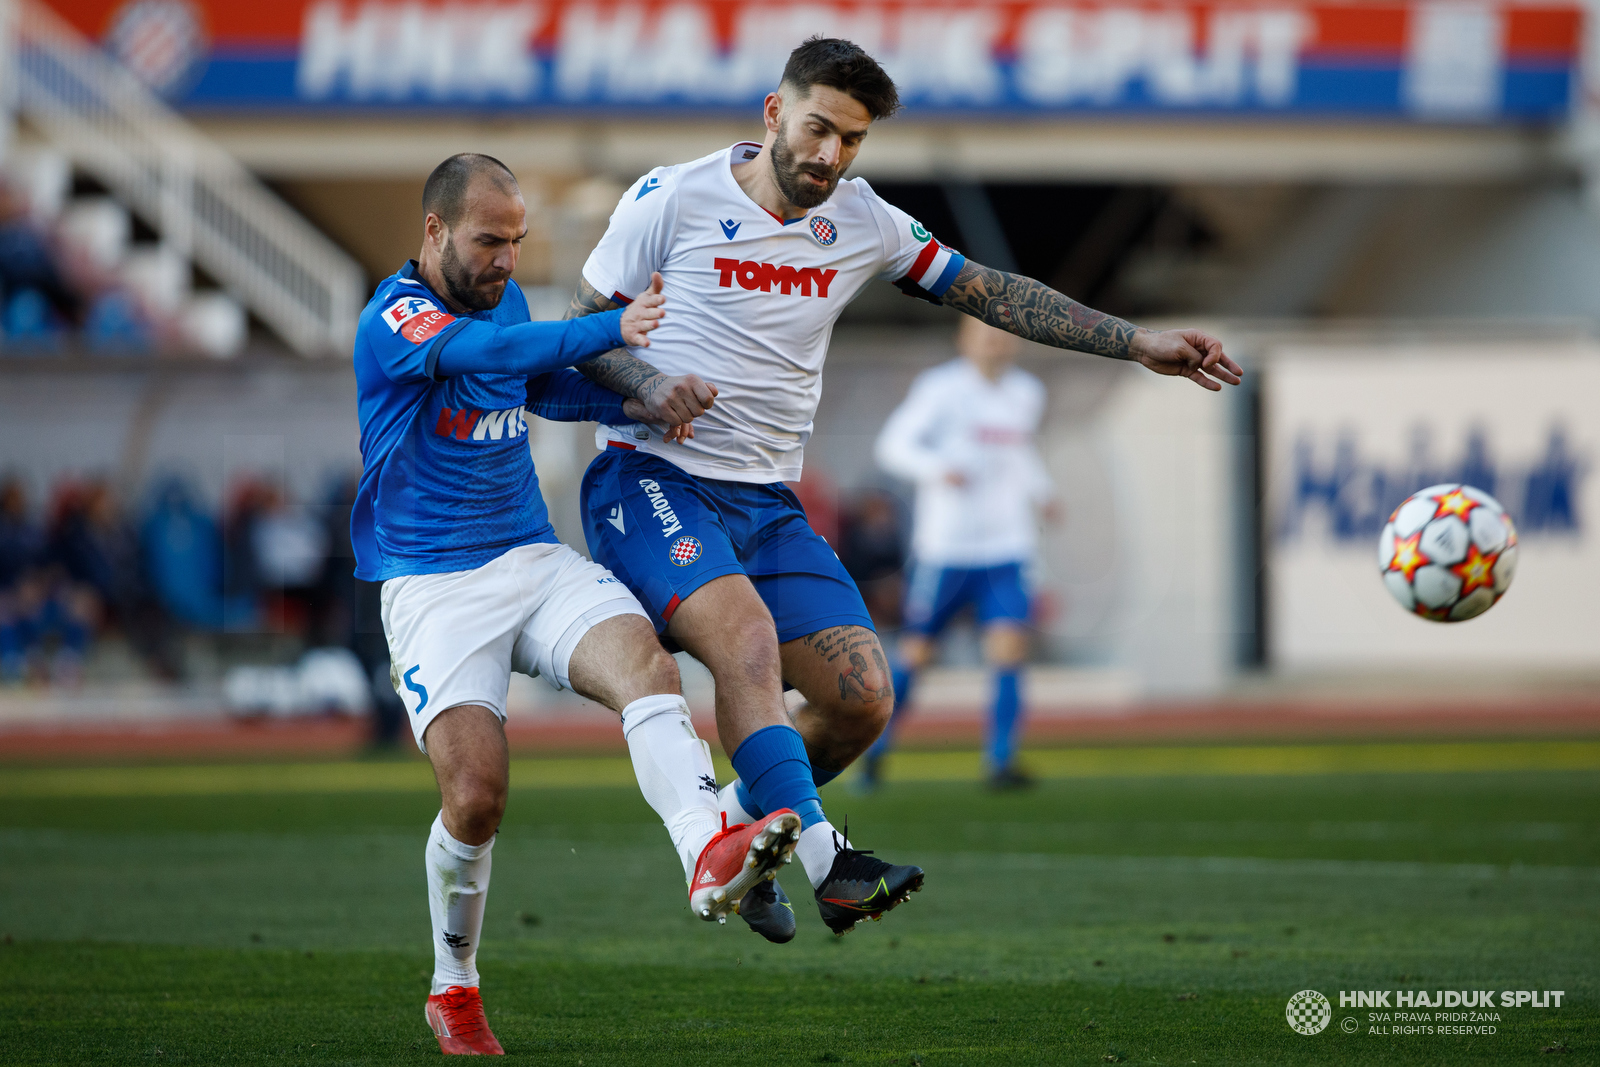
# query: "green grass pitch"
{"points": [[1105, 917]]}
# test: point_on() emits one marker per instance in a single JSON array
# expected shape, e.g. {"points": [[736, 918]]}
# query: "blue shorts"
{"points": [[666, 532], [935, 594]]}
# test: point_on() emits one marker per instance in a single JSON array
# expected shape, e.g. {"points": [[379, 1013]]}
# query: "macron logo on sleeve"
{"points": [[649, 186]]}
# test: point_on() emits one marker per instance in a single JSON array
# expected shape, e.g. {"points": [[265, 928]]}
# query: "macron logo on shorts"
{"points": [[658, 501]]}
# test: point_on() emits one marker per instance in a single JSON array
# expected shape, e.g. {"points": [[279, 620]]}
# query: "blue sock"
{"points": [[1003, 719], [902, 677], [775, 773], [746, 801], [819, 778]]}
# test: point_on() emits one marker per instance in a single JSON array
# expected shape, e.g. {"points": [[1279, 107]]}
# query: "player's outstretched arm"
{"points": [[672, 400], [1031, 309]]}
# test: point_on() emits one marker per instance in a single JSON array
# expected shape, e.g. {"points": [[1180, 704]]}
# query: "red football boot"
{"points": [[457, 1018], [737, 858]]}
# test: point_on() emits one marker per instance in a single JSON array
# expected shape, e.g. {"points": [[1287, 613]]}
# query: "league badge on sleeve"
{"points": [[416, 318], [824, 231], [405, 309]]}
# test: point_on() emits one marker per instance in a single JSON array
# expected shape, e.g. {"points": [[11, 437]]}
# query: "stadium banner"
{"points": [[1434, 60], [1352, 432]]}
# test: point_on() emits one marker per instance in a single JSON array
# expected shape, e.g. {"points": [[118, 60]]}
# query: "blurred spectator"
{"points": [[89, 570], [21, 546], [349, 614], [46, 631], [45, 618], [31, 324], [21, 541], [72, 280], [873, 550], [242, 578], [27, 261], [333, 619], [88, 539], [97, 548], [289, 545], [272, 558], [183, 556], [115, 326]]}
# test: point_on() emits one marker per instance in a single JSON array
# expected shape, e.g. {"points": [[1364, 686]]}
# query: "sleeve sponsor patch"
{"points": [[416, 318]]}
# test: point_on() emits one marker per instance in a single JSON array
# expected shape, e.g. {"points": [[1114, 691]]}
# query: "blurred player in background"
{"points": [[448, 516], [965, 436], [761, 247]]}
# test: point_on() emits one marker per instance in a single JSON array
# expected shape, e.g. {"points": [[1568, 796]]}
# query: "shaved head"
{"points": [[445, 193], [473, 223]]}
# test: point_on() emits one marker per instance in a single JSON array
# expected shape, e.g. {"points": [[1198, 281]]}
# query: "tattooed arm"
{"points": [[1037, 312], [675, 401]]}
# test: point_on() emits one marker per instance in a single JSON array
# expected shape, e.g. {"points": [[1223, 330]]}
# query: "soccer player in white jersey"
{"points": [[761, 246], [448, 516], [964, 435]]}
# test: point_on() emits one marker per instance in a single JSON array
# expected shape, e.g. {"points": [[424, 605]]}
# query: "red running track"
{"points": [[331, 738]]}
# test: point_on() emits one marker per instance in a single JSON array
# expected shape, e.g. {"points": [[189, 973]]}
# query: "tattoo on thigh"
{"points": [[848, 648], [867, 682], [829, 643]]}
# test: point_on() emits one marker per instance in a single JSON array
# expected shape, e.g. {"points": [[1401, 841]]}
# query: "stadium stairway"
{"points": [[93, 116]]}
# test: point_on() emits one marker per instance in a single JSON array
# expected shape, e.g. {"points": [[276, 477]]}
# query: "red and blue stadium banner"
{"points": [[1431, 61]]}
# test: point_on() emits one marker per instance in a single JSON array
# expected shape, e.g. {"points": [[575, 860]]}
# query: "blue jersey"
{"points": [[447, 483]]}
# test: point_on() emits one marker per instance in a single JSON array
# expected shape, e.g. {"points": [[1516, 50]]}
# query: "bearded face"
{"points": [[792, 177], [481, 292]]}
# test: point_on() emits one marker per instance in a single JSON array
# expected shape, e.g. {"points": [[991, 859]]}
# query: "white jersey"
{"points": [[955, 420], [751, 301]]}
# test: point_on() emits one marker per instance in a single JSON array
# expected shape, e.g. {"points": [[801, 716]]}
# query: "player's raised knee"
{"points": [[856, 717], [659, 671], [649, 668], [871, 719], [474, 804]]}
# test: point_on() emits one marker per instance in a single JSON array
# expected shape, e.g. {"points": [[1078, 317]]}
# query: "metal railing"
{"points": [[203, 202]]}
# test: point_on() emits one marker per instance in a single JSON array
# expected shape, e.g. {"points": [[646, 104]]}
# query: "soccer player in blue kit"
{"points": [[761, 246], [448, 516]]}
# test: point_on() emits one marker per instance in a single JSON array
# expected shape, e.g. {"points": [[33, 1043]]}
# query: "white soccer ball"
{"points": [[1448, 553]]}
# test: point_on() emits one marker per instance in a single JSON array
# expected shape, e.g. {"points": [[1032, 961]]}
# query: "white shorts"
{"points": [[455, 638]]}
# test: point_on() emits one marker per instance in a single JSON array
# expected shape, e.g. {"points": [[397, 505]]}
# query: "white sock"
{"points": [[816, 850], [816, 843], [675, 773], [728, 800], [458, 885]]}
